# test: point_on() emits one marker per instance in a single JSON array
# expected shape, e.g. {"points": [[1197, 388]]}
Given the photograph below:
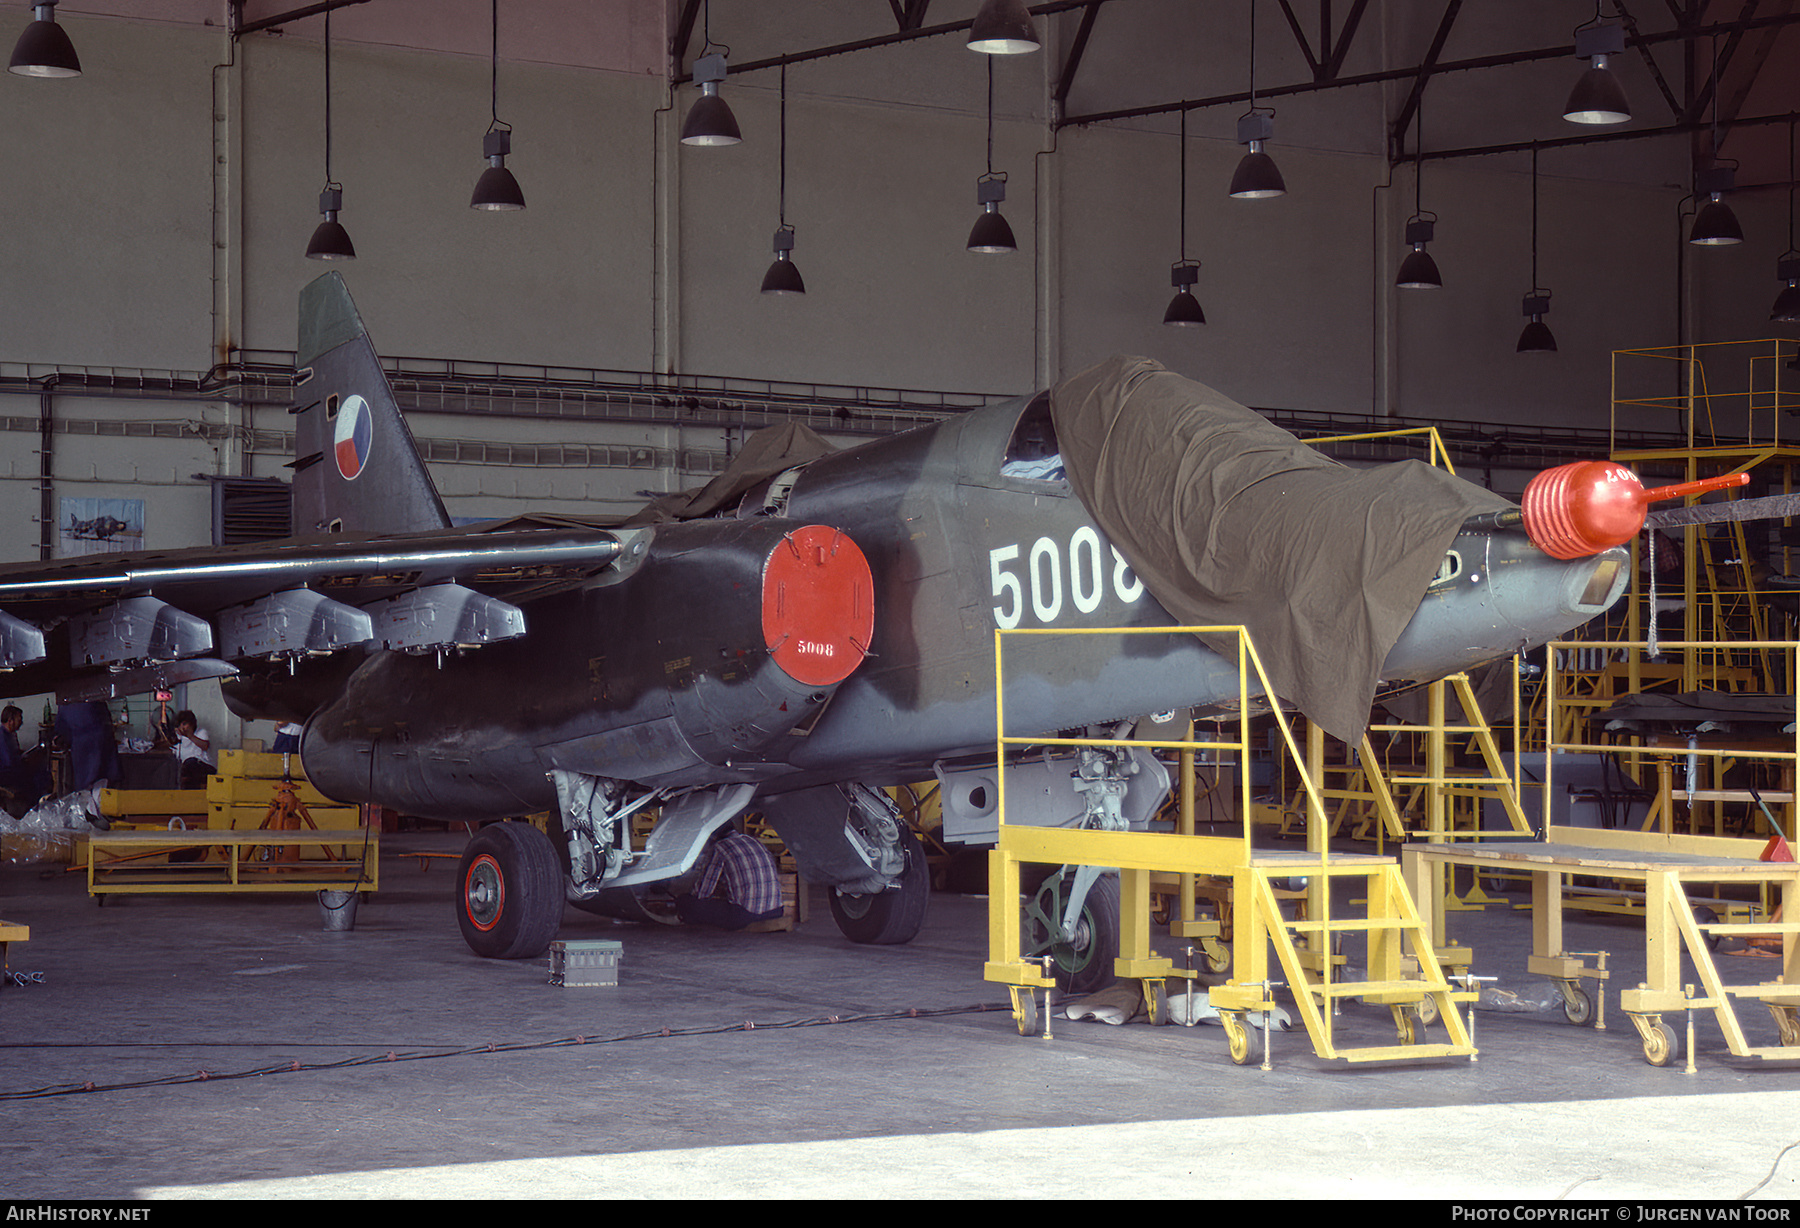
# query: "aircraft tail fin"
{"points": [[356, 466]]}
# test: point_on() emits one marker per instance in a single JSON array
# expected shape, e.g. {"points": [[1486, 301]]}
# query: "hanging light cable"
{"points": [[496, 189], [1184, 309], [709, 120], [783, 277], [330, 241], [991, 232], [1419, 271], [1536, 337], [1716, 225], [1787, 269], [1257, 176]]}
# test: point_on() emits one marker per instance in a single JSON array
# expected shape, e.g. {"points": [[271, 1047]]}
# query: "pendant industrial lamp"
{"points": [[1536, 337], [496, 189], [991, 232], [1003, 27], [709, 120], [783, 277], [330, 241], [1184, 309], [1257, 176], [1419, 271], [1716, 225], [1787, 269], [44, 50], [1597, 97]]}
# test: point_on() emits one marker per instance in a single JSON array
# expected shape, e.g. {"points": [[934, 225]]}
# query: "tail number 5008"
{"points": [[1043, 571]]}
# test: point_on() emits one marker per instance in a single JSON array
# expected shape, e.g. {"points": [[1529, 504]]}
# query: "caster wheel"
{"points": [[1156, 1003], [1244, 1042], [1025, 1014], [1662, 1046]]}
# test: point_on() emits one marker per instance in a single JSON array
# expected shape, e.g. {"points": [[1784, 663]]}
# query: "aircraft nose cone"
{"points": [[1545, 597], [818, 605]]}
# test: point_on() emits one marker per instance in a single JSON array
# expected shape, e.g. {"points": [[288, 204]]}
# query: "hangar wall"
{"points": [[162, 201]]}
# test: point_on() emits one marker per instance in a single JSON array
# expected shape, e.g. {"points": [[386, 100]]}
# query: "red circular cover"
{"points": [[818, 605], [1583, 508]]}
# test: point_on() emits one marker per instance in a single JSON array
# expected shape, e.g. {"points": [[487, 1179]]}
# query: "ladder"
{"points": [[1392, 928]]}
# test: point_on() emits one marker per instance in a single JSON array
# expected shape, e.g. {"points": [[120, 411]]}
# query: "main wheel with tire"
{"points": [[1083, 960], [509, 896], [894, 916]]}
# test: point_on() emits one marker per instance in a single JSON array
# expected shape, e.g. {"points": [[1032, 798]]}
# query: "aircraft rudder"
{"points": [[357, 467]]}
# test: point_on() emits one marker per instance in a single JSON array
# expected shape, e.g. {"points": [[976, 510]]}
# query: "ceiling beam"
{"points": [[1066, 79], [1686, 36], [239, 29], [887, 40]]}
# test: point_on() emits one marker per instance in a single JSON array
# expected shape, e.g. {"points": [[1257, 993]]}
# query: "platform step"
{"points": [[1781, 995], [1401, 1053], [1357, 989], [1362, 923], [1776, 1053], [1750, 927], [1303, 868]]}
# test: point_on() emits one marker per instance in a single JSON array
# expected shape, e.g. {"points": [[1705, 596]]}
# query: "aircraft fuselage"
{"points": [[670, 681]]}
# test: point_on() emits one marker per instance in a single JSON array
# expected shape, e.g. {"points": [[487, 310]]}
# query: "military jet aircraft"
{"points": [[814, 625], [100, 528]]}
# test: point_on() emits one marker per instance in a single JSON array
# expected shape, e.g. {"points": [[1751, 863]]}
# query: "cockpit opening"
{"points": [[1032, 452]]}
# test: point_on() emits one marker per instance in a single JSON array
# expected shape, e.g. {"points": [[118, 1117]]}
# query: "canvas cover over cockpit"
{"points": [[1230, 520]]}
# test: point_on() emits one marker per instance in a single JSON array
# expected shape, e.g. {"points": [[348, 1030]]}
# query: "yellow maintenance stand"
{"points": [[1302, 948]]}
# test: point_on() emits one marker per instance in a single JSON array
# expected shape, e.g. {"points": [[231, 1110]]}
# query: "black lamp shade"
{"points": [[1257, 177], [783, 277], [1003, 27], [497, 189], [44, 50], [1597, 98], [330, 242], [991, 233], [1419, 272], [1787, 305], [1716, 225], [1536, 339], [1184, 311], [710, 121]]}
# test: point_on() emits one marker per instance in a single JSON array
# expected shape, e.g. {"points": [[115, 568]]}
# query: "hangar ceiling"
{"points": [[1693, 67], [1488, 72]]}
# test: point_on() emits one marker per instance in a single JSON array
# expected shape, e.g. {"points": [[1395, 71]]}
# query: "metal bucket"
{"points": [[337, 910]]}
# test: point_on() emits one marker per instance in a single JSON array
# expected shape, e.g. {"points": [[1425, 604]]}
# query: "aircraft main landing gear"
{"points": [[509, 898], [888, 918]]}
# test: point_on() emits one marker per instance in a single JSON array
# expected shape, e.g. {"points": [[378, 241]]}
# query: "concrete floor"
{"points": [[488, 1094]]}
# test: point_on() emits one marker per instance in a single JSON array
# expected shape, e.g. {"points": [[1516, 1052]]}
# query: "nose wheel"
{"points": [[1084, 955]]}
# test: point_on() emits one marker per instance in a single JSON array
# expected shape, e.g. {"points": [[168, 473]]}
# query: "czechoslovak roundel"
{"points": [[351, 440]]}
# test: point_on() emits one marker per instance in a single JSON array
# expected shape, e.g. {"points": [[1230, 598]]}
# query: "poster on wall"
{"points": [[99, 526]]}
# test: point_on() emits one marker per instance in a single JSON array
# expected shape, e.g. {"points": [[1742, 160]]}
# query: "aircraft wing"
{"points": [[299, 596]]}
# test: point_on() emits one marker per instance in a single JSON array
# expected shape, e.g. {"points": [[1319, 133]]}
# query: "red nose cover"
{"points": [[1584, 508], [818, 605]]}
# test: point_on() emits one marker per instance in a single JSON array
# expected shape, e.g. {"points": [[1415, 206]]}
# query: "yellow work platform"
{"points": [[10, 932], [1665, 864], [1403, 972], [157, 806], [140, 862]]}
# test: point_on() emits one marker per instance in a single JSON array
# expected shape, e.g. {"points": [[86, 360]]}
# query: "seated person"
{"points": [[739, 885], [193, 747], [287, 738], [27, 781]]}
